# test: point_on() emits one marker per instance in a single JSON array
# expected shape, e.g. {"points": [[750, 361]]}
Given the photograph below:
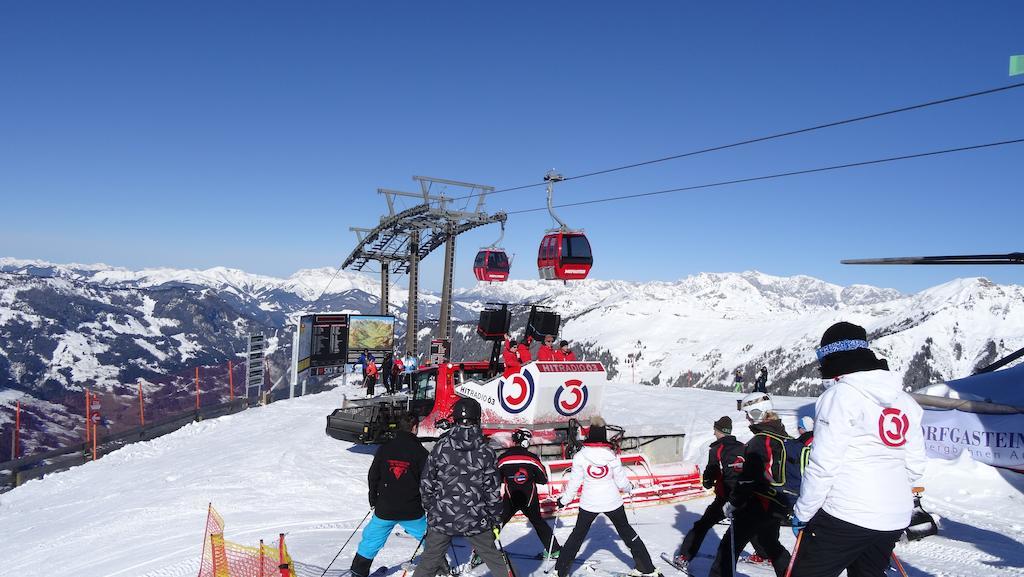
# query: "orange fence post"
{"points": [[262, 562], [231, 382], [197, 388], [142, 407], [285, 569]]}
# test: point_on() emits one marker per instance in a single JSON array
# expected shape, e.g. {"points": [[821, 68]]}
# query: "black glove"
{"points": [[559, 504]]}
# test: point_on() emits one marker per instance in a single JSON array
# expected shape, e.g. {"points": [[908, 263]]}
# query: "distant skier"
{"points": [[370, 377], [411, 363], [462, 493], [547, 351], [394, 484], [521, 472], [386, 367], [868, 450], [756, 505], [397, 367], [362, 363], [563, 353], [761, 384], [737, 381], [725, 461], [597, 469]]}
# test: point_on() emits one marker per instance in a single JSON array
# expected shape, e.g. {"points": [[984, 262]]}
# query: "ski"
{"points": [[685, 569], [587, 565], [409, 568]]}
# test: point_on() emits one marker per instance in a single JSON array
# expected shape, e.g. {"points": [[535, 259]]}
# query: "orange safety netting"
{"points": [[226, 559]]}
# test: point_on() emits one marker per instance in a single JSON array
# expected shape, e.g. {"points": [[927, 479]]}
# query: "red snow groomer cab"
{"points": [[554, 400]]}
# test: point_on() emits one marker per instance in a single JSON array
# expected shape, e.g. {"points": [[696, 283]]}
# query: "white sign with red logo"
{"points": [[540, 393]]}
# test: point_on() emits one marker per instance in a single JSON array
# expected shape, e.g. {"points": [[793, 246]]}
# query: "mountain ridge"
{"points": [[66, 327]]}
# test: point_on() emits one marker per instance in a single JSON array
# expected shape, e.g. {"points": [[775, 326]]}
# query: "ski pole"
{"points": [[732, 544], [796, 549], [458, 566], [899, 566], [405, 566], [551, 545], [508, 562], [354, 531]]}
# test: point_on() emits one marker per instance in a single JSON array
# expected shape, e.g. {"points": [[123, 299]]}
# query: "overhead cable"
{"points": [[775, 136], [777, 175]]}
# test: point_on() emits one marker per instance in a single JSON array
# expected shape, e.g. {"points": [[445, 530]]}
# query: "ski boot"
{"points": [[756, 559]]}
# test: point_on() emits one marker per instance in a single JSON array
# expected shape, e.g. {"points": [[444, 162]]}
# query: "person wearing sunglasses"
{"points": [[547, 350], [757, 503]]}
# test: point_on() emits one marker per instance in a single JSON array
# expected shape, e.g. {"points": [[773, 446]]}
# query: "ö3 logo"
{"points": [[575, 393], [893, 425], [516, 392]]}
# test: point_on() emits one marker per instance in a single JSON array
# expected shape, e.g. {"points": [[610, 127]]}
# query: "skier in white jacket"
{"points": [[597, 469], [855, 495]]}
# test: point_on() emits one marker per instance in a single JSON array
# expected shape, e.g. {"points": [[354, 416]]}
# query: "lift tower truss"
{"points": [[403, 239]]}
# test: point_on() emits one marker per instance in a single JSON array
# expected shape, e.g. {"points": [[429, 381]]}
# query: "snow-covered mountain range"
{"points": [[66, 327]]}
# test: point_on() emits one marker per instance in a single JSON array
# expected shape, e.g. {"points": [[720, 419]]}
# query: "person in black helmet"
{"points": [[521, 472], [461, 492]]}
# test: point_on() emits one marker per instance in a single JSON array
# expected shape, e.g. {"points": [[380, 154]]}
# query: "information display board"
{"points": [[373, 335]]}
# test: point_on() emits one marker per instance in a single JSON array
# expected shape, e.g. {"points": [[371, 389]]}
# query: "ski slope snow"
{"points": [[140, 511]]}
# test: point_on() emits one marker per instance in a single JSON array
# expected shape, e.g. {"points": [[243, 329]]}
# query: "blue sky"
{"points": [[253, 134]]}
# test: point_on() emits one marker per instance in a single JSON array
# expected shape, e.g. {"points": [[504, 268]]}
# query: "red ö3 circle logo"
{"points": [[516, 392], [575, 397], [893, 425], [596, 472]]}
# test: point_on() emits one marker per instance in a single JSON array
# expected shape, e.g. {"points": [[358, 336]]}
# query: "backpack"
{"points": [[797, 453]]}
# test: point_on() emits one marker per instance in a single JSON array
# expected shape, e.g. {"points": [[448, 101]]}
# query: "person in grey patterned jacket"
{"points": [[461, 492]]}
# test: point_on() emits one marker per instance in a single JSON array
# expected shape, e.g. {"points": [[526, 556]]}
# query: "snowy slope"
{"points": [[140, 511]]}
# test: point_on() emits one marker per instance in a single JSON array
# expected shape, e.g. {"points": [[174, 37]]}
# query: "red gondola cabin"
{"points": [[564, 255], [491, 265]]}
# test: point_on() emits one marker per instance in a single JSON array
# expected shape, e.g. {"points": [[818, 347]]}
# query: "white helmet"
{"points": [[756, 405]]}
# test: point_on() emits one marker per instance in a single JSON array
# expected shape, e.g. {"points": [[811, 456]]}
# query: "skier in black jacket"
{"points": [[521, 472], [394, 487], [761, 384], [725, 461], [462, 492], [757, 504]]}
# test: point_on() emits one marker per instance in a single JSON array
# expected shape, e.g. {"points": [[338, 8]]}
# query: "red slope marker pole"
{"points": [[17, 430], [142, 407], [88, 404]]}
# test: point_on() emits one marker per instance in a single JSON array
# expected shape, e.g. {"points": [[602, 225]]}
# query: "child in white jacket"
{"points": [[597, 469]]}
